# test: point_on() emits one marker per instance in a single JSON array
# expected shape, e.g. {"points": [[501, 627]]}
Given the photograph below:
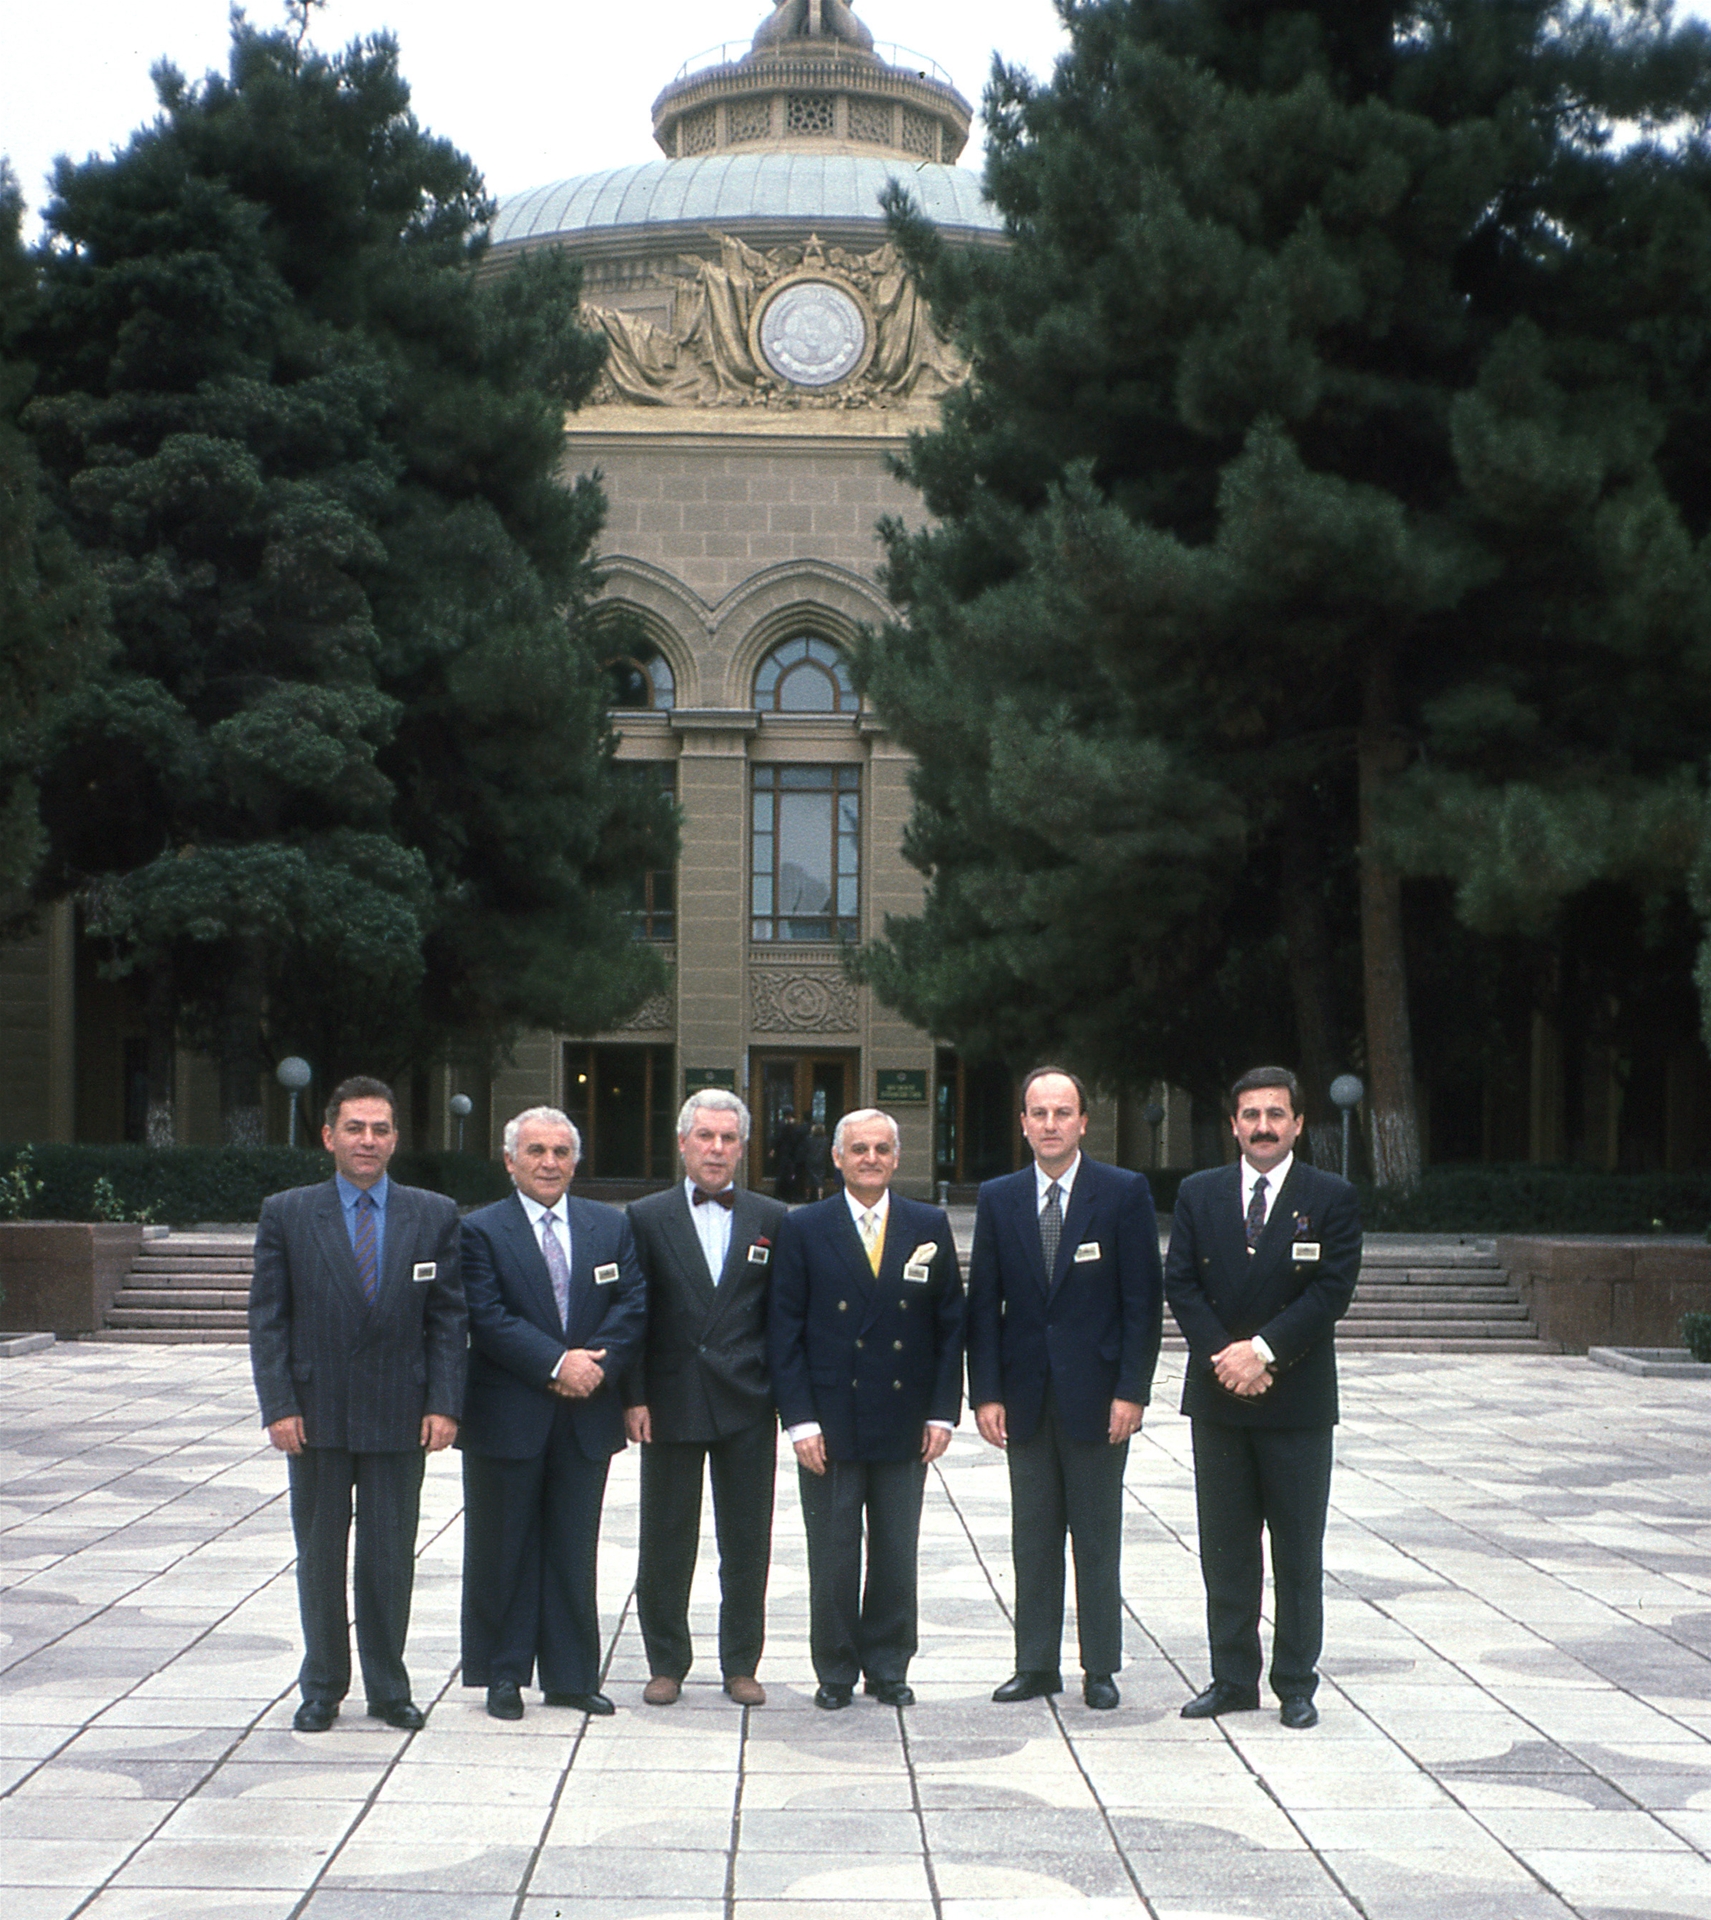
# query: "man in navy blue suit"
{"points": [[557, 1305], [1065, 1305], [864, 1334], [1264, 1256]]}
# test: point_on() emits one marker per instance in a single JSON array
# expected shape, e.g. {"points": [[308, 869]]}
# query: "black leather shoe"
{"points": [[1099, 1690], [1220, 1698], [404, 1714], [1030, 1683], [315, 1716], [831, 1696], [595, 1703], [890, 1693], [505, 1700], [1298, 1711]]}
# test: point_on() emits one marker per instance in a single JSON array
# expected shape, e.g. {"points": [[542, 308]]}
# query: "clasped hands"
{"points": [[579, 1373], [1241, 1371]]}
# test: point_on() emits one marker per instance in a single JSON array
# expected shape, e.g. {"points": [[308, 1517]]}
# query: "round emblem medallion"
{"points": [[812, 333]]}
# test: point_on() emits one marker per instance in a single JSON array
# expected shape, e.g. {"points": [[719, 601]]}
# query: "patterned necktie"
{"points": [[1051, 1229], [557, 1266], [872, 1238], [1256, 1212], [366, 1265]]}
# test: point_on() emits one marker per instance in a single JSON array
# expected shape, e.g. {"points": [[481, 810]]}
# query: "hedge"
{"points": [[182, 1186], [1529, 1199]]}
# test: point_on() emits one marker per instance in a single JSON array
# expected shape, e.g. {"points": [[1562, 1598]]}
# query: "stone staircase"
{"points": [[184, 1289]]}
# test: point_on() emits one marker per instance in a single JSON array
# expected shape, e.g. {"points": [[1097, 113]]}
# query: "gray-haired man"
{"points": [[699, 1399]]}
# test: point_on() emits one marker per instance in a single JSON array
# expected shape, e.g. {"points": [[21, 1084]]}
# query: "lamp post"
{"points": [[293, 1074], [1347, 1093], [462, 1107], [1153, 1113]]}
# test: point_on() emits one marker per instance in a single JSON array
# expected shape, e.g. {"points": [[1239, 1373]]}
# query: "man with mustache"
{"points": [[1263, 1261]]}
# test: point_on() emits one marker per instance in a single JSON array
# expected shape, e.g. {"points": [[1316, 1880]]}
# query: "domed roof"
{"points": [[791, 187]]}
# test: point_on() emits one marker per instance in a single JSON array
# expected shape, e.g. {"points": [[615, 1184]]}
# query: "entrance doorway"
{"points": [[797, 1099]]}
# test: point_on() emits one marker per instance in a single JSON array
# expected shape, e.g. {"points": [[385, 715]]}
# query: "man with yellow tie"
{"points": [[865, 1337]]}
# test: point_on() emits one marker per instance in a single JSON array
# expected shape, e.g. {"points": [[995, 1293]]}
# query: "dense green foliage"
{"points": [[1528, 1199], [1696, 1334], [350, 792], [1330, 502]]}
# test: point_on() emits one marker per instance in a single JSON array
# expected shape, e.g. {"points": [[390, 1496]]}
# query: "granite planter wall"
{"points": [[60, 1276], [1593, 1291]]}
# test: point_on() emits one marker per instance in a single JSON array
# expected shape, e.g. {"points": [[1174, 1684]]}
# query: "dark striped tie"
{"points": [[366, 1264], [1256, 1213], [1051, 1229]]}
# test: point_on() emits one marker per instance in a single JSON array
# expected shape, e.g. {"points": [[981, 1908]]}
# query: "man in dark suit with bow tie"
{"points": [[865, 1338], [1065, 1306], [1264, 1256], [556, 1307], [356, 1324], [700, 1400]]}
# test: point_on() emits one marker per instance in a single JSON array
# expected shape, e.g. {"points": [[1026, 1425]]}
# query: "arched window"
{"points": [[640, 677], [805, 675]]}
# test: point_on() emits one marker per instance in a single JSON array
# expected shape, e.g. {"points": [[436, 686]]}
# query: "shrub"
{"points": [[1529, 1199], [1696, 1334]]}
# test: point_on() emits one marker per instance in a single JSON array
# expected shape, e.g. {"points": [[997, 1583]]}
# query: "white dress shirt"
{"points": [[1065, 1181], [559, 1215], [1273, 1187], [712, 1226]]}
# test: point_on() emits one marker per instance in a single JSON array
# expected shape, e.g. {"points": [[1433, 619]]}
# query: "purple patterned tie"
{"points": [[364, 1247], [557, 1266], [1256, 1212]]}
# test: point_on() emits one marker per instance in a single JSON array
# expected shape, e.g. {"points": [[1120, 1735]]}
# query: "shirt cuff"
{"points": [[946, 1424], [1264, 1352], [806, 1431]]}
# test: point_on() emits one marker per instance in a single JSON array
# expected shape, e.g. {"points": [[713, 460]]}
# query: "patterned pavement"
{"points": [[1517, 1707]]}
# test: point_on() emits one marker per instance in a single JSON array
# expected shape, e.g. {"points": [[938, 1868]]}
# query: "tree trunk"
{"points": [[1395, 1126], [241, 1062], [160, 1030], [1307, 938]]}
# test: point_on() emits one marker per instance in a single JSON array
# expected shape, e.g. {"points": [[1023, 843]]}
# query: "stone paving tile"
{"points": [[1516, 1700]]}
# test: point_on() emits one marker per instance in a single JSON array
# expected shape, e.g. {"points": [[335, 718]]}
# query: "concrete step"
{"points": [[191, 1263], [169, 1337], [1492, 1295], [1424, 1310], [238, 1283], [234, 1319], [1464, 1327], [183, 1299]]}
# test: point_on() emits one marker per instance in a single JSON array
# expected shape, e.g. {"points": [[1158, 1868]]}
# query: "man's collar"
{"points": [[349, 1190], [689, 1189], [1065, 1180], [533, 1209], [1274, 1179], [882, 1206]]}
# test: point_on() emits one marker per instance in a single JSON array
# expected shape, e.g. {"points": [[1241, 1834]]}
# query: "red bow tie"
{"points": [[727, 1199]]}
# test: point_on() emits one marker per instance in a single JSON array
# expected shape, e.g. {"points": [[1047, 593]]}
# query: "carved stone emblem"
{"points": [[812, 333], [802, 1002], [652, 1016]]}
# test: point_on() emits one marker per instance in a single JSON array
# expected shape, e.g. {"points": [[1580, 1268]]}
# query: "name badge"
{"points": [[423, 1270], [918, 1271], [1088, 1250], [759, 1256], [604, 1276], [1304, 1250]]}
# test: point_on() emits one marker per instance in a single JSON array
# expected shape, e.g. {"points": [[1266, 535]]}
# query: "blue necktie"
{"points": [[364, 1247]]}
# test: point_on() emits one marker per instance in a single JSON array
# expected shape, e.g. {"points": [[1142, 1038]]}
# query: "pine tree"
{"points": [[1329, 502], [351, 790]]}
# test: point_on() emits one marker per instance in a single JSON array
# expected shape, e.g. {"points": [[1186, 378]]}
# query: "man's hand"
{"points": [[934, 1440], [1125, 1420], [438, 1432], [638, 1426], [580, 1372], [1240, 1370], [989, 1418], [812, 1452], [287, 1434]]}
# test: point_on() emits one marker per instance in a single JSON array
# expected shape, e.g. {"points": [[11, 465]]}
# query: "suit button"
{"points": [[903, 1306], [897, 1346], [700, 1349], [897, 1386], [858, 1346], [855, 1383], [843, 1306]]}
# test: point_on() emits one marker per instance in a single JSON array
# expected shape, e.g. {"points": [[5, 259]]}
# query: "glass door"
{"points": [[797, 1100]]}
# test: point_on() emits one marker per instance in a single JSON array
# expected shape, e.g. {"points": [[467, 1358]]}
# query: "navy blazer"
{"points": [[1219, 1292], [1092, 1330], [514, 1333], [871, 1358], [361, 1376]]}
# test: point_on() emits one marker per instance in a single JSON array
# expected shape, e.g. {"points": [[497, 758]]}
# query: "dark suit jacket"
{"points": [[1219, 1292], [702, 1370], [1093, 1332], [872, 1358], [514, 1334], [362, 1377]]}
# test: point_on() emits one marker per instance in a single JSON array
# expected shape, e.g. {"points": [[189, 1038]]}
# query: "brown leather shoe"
{"points": [[661, 1690], [746, 1690]]}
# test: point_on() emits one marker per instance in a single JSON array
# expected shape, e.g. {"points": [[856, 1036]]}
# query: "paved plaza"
{"points": [[1517, 1702]]}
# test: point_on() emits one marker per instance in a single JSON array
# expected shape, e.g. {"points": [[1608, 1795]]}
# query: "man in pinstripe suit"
{"points": [[357, 1339]]}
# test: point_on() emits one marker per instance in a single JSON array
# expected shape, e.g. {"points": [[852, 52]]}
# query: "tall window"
{"points": [[640, 676], [621, 1099], [653, 893], [806, 870], [805, 675]]}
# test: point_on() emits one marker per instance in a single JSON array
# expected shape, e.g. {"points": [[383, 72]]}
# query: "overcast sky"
{"points": [[533, 92]]}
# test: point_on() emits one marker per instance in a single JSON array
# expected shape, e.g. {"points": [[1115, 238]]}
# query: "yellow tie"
{"points": [[872, 1238]]}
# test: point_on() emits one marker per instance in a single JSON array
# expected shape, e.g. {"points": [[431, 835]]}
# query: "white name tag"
{"points": [[604, 1276], [759, 1256], [918, 1271], [1304, 1250], [1088, 1250], [423, 1270]]}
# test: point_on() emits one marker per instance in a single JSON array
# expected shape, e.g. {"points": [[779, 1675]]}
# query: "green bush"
{"points": [[1696, 1334], [186, 1185], [1528, 1199]]}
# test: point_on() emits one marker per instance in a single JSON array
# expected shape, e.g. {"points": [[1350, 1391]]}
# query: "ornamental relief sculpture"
{"points": [[654, 1015], [792, 327], [802, 1003]]}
